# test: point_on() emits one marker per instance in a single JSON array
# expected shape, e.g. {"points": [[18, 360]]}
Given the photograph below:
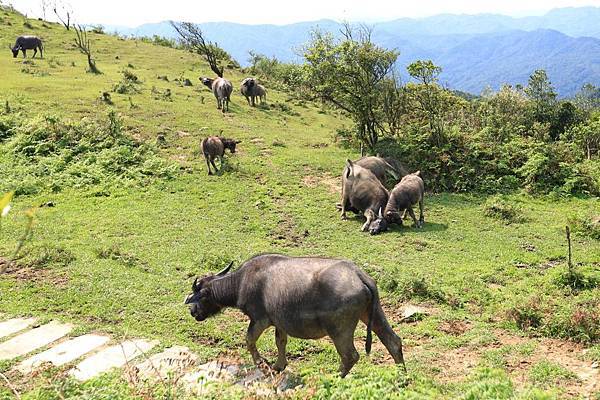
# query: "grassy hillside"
{"points": [[118, 256]]}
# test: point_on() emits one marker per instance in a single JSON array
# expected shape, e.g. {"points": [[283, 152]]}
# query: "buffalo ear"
{"points": [[418, 173], [238, 141], [195, 285], [225, 270]]}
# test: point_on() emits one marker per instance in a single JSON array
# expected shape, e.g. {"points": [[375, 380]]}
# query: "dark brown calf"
{"points": [[213, 147]]}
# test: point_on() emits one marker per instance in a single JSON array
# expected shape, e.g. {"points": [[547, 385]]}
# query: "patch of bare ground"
{"points": [[331, 183], [25, 273], [456, 364], [286, 232]]}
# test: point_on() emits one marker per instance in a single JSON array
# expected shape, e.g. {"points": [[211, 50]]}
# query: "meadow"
{"points": [[120, 234]]}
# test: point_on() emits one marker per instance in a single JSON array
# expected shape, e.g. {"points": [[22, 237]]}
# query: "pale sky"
{"points": [[136, 12]]}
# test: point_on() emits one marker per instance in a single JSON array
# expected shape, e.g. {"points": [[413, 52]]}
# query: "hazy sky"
{"points": [[136, 12]]}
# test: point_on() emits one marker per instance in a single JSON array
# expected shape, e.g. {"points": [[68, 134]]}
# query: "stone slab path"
{"points": [[64, 352], [93, 354], [112, 357], [15, 325], [33, 339]]}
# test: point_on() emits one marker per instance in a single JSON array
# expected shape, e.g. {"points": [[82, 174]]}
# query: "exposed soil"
{"points": [[332, 184], [23, 273]]}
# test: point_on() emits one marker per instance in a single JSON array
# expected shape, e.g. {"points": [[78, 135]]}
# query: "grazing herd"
{"points": [[304, 297]]}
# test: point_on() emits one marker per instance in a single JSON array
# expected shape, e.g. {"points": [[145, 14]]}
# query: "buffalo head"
{"points": [[206, 81], [230, 144], [15, 51], [378, 225], [202, 303]]}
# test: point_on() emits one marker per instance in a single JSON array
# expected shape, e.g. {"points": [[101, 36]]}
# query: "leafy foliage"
{"points": [[48, 152]]}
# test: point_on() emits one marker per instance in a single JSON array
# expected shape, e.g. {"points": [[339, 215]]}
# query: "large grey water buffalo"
{"points": [[25, 43], [303, 297], [222, 89], [363, 192], [408, 192], [252, 90], [213, 147], [381, 167]]}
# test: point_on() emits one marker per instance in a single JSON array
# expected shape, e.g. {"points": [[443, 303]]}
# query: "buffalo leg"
{"points": [[413, 216], [421, 217], [34, 52], [208, 164], [24, 53], [281, 341], [343, 340], [212, 161], [41, 52], [388, 337], [255, 329], [370, 217]]}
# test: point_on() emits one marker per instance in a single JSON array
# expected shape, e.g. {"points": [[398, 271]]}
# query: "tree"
{"points": [[539, 89], [350, 74], [84, 45], [66, 11], [588, 98], [193, 39], [429, 96]]}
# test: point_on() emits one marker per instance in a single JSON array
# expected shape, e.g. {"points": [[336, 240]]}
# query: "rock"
{"points": [[413, 313]]}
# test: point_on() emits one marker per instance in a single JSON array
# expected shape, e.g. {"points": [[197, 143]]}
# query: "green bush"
{"points": [[49, 153], [498, 208]]}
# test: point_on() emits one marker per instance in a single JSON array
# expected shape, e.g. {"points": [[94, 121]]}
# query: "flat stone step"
{"points": [[64, 352], [15, 325], [170, 363], [33, 339], [111, 357]]}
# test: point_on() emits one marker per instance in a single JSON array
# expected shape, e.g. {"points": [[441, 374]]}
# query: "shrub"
{"points": [[586, 226], [47, 152], [128, 84], [498, 208]]}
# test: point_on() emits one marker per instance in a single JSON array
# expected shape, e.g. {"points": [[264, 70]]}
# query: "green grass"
{"points": [[120, 258]]}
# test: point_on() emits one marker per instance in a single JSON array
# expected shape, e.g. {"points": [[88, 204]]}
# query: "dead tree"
{"points": [[64, 9], [192, 37], [83, 44]]}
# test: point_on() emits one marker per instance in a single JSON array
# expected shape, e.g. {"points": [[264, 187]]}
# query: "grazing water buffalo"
{"points": [[25, 43], [408, 192], [221, 88], [303, 297], [363, 192], [213, 147]]}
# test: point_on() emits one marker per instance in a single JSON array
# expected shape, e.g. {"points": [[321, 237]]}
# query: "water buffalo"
{"points": [[363, 192], [222, 89], [252, 90], [303, 297], [25, 43], [213, 147], [380, 166], [408, 192]]}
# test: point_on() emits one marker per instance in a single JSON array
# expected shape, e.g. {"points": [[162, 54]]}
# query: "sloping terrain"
{"points": [[117, 258]]}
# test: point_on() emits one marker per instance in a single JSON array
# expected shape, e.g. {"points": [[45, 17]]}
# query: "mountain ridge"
{"points": [[459, 43]]}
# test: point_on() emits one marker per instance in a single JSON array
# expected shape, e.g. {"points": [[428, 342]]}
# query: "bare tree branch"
{"points": [[83, 44], [64, 9], [193, 38]]}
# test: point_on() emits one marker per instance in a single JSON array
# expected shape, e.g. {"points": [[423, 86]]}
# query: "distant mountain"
{"points": [[473, 50]]}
